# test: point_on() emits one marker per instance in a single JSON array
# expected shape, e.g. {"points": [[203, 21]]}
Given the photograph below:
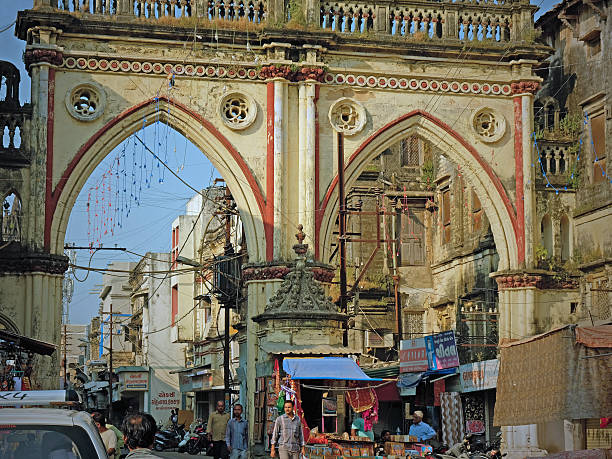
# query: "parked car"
{"points": [[29, 433]]}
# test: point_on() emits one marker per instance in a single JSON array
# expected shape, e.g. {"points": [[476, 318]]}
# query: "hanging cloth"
{"points": [[452, 417], [370, 416], [276, 376], [361, 399]]}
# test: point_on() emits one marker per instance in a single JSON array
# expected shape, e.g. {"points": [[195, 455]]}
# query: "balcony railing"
{"points": [[556, 161], [466, 20], [230, 10]]}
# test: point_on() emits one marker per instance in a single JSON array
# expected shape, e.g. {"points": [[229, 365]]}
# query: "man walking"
{"points": [[288, 435], [237, 435], [217, 426], [108, 436]]}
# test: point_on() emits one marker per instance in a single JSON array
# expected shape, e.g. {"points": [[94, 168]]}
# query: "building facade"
{"points": [[441, 94]]}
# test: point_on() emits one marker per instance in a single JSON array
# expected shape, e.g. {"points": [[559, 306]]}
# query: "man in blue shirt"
{"points": [[420, 429], [237, 434]]}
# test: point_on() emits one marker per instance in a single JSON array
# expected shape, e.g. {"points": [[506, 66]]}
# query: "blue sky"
{"points": [[148, 226]]}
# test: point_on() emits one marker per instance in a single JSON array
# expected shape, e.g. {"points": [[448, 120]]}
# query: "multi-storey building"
{"points": [[151, 381]]}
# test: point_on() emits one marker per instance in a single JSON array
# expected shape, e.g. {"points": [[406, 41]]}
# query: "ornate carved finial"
{"points": [[300, 235], [300, 248]]}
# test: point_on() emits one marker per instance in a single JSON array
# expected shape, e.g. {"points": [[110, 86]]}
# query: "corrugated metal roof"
{"points": [[391, 371], [321, 349]]}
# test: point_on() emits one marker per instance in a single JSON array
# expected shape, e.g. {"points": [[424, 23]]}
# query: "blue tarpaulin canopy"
{"points": [[340, 368], [407, 380]]}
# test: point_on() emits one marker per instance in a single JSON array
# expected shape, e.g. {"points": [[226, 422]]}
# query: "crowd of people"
{"points": [[229, 435]]}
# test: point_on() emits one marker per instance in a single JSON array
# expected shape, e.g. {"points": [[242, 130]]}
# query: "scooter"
{"points": [[166, 439]]}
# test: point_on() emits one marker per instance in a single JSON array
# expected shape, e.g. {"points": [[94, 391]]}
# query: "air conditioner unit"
{"points": [[378, 339]]}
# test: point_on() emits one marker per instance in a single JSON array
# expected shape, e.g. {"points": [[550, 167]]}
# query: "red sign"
{"points": [[413, 356]]}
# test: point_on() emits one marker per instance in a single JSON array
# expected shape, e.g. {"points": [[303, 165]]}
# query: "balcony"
{"points": [[14, 120], [485, 21]]}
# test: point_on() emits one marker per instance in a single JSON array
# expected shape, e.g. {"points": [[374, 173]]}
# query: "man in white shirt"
{"points": [[108, 436]]}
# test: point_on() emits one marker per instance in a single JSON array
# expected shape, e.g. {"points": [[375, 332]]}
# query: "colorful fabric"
{"points": [[370, 416], [361, 399], [452, 418]]}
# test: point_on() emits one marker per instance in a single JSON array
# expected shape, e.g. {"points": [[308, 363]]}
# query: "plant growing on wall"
{"points": [[428, 175]]}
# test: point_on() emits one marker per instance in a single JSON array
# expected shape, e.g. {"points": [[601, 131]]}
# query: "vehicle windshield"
{"points": [[44, 442]]}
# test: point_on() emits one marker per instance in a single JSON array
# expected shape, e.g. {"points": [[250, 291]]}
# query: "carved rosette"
{"points": [[522, 87], [38, 56]]}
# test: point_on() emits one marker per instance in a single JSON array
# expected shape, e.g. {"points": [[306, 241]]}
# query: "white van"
{"points": [[46, 433]]}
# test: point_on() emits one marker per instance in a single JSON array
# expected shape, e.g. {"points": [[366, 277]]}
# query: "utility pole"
{"points": [[342, 233], [228, 251], [110, 368], [65, 357]]}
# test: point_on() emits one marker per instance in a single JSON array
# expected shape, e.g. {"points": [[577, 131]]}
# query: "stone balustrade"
{"points": [[556, 161], [465, 20]]}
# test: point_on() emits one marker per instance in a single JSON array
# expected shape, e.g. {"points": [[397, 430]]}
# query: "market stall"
{"points": [[338, 405], [17, 360]]}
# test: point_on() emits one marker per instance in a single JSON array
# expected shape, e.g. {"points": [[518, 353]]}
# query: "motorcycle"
{"points": [[198, 441], [462, 450], [169, 438], [197, 427]]}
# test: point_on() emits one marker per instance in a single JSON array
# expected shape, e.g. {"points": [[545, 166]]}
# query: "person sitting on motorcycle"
{"points": [[420, 429]]}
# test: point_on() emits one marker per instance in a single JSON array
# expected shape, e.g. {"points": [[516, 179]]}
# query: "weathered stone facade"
{"points": [[459, 76]]}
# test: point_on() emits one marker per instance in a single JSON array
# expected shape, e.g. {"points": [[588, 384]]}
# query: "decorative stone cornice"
{"points": [[38, 56], [265, 273], [17, 262], [321, 273], [543, 280], [292, 73], [522, 87]]}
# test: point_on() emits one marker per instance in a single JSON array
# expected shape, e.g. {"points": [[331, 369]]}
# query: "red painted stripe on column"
{"points": [[317, 202], [49, 206], [518, 173], [269, 214]]}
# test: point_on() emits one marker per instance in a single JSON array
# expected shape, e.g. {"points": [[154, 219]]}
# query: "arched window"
{"points": [[565, 238], [546, 233], [11, 219], [7, 324]]}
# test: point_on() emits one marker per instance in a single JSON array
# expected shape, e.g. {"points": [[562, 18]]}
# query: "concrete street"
{"points": [[175, 454]]}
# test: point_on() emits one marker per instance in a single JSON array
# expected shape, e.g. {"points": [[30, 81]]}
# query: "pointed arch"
{"points": [[476, 170], [201, 132]]}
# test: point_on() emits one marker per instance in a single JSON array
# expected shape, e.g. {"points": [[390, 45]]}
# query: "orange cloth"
{"points": [[595, 336]]}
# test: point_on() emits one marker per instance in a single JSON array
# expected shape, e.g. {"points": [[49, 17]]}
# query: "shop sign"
{"points": [[413, 356], [479, 375], [442, 351], [136, 380], [166, 400]]}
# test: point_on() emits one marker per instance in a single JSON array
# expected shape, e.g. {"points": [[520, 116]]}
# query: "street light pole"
{"points": [[226, 351], [110, 369]]}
